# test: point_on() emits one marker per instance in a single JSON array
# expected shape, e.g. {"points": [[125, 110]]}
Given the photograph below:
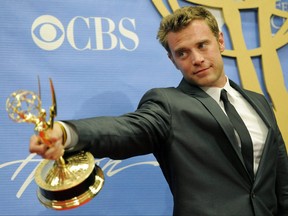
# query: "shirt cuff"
{"points": [[72, 137]]}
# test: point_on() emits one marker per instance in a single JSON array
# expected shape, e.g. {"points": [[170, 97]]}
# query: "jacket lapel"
{"points": [[255, 104], [232, 152], [260, 109]]}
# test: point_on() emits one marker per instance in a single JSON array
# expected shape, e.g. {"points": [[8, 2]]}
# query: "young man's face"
{"points": [[196, 52]]}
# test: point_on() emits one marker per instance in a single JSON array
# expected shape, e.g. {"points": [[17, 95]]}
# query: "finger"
{"points": [[36, 146], [54, 152], [48, 138]]}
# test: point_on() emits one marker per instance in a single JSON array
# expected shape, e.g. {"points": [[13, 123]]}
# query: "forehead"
{"points": [[196, 31]]}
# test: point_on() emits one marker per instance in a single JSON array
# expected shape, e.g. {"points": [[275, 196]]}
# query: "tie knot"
{"points": [[224, 96]]}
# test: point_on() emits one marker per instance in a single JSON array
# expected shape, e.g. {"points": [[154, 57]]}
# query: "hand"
{"points": [[54, 149]]}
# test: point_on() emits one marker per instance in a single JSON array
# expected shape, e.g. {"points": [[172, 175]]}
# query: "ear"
{"points": [[221, 42], [172, 59]]}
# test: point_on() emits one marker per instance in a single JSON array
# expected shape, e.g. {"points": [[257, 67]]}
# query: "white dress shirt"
{"points": [[255, 125]]}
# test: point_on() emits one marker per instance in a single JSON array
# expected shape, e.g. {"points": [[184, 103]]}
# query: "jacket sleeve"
{"points": [[128, 135], [282, 177], [282, 167]]}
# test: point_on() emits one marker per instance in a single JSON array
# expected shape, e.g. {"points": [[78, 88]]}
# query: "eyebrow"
{"points": [[203, 41], [181, 49]]}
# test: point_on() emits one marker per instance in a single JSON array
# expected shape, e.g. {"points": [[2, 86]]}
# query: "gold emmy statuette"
{"points": [[68, 182]]}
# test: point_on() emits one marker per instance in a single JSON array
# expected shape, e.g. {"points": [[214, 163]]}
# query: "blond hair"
{"points": [[181, 18]]}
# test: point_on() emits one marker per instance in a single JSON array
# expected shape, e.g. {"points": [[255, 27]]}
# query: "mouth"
{"points": [[200, 71]]}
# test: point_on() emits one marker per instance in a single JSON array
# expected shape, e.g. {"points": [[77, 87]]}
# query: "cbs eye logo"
{"points": [[47, 32]]}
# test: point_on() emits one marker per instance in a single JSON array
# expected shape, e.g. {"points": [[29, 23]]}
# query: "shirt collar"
{"points": [[215, 92]]}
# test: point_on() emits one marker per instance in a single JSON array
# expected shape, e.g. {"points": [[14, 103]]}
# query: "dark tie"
{"points": [[239, 126]]}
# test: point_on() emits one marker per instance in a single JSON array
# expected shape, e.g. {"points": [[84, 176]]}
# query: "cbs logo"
{"points": [[85, 33], [48, 32]]}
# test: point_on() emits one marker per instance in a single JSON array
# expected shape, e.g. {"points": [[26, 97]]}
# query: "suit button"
{"points": [[252, 195]]}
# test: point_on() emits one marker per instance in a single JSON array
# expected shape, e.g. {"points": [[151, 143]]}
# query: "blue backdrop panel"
{"points": [[102, 56]]}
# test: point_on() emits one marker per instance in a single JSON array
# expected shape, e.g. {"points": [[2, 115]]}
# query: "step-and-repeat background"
{"points": [[102, 57]]}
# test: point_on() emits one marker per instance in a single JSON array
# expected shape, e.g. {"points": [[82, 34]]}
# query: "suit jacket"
{"points": [[194, 143]]}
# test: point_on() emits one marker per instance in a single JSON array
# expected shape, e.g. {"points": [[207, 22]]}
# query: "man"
{"points": [[187, 129]]}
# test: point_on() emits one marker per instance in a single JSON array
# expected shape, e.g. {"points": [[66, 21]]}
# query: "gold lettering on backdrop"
{"points": [[267, 51]]}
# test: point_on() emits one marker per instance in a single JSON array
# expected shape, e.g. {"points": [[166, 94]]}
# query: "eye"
{"points": [[181, 54], [202, 45]]}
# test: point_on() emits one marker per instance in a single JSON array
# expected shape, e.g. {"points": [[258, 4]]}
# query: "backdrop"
{"points": [[102, 57]]}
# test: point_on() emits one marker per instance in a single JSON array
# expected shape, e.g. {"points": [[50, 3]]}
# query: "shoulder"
{"points": [[257, 97], [162, 96], [161, 93], [250, 94]]}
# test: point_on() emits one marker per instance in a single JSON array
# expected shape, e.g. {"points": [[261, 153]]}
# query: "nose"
{"points": [[197, 58]]}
